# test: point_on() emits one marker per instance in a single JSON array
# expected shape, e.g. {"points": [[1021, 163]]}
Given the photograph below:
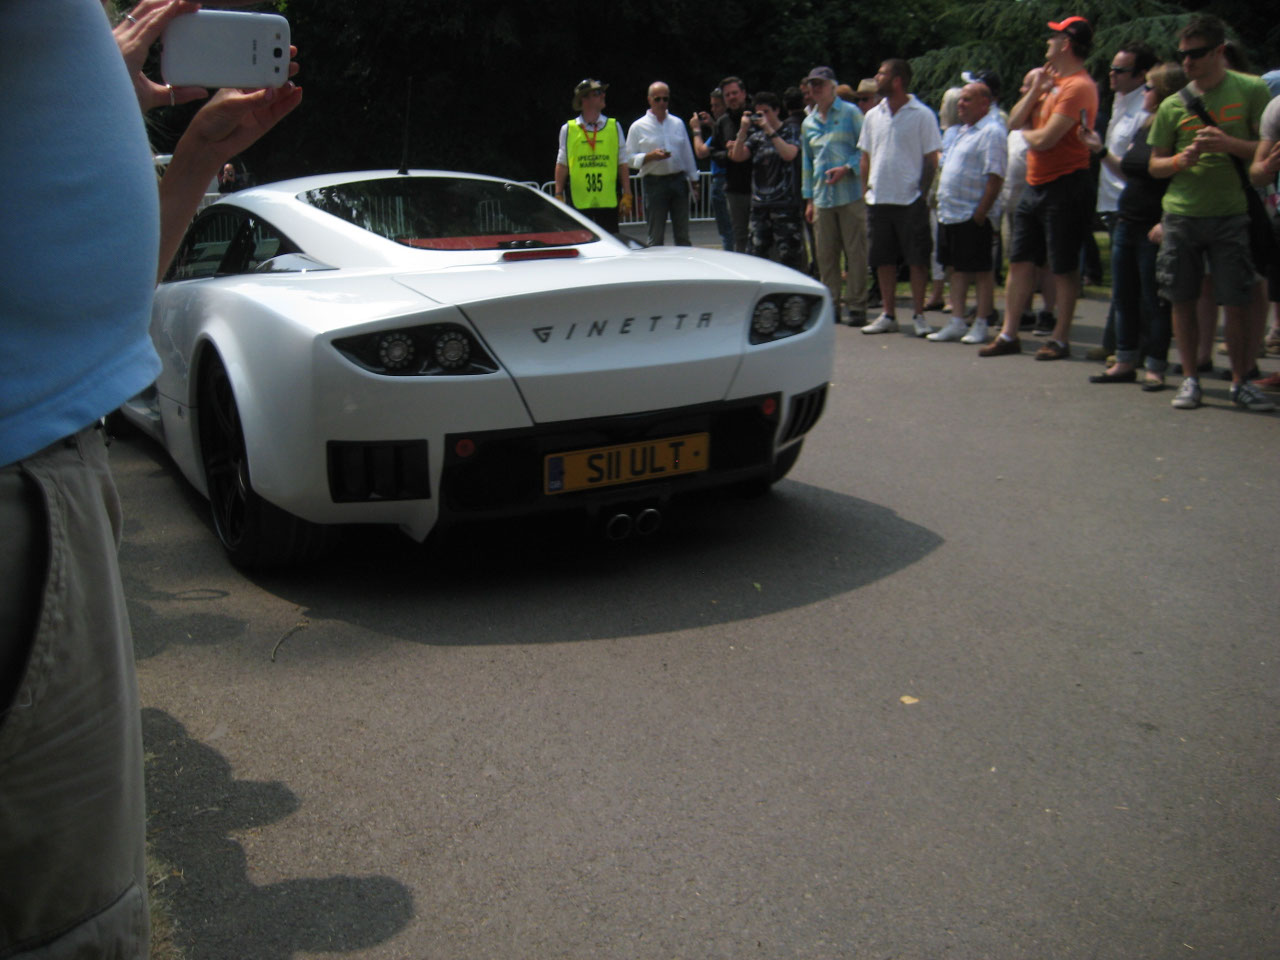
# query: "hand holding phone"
{"points": [[220, 48]]}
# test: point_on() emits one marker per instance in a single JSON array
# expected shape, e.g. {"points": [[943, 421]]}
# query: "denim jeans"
{"points": [[663, 194], [720, 208], [1141, 314]]}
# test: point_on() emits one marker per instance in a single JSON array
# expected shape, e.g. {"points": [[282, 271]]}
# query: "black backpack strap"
{"points": [[1196, 106]]}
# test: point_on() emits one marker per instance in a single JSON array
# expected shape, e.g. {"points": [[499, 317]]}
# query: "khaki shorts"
{"points": [[72, 816], [1188, 241]]}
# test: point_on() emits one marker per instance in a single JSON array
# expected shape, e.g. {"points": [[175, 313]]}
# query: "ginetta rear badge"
{"points": [[625, 327]]}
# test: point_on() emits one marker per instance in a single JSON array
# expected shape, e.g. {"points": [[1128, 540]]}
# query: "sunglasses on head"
{"points": [[1195, 53]]}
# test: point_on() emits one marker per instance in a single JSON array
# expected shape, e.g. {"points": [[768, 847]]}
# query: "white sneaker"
{"points": [[954, 330], [977, 333], [882, 324], [922, 326], [1188, 396]]}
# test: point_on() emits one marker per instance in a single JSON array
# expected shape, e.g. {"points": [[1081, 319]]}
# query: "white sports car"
{"points": [[437, 348]]}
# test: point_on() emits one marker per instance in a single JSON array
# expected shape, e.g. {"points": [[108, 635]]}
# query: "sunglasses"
{"points": [[659, 99], [1121, 69], [1195, 53]]}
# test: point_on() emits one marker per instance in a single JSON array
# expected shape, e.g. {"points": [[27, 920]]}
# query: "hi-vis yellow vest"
{"points": [[593, 173]]}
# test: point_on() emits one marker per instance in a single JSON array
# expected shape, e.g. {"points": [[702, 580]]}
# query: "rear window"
{"points": [[443, 213]]}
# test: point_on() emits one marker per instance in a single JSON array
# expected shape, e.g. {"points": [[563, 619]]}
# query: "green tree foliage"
{"points": [[1008, 36], [492, 79]]}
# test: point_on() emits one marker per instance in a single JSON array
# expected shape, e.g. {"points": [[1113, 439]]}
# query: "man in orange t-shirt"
{"points": [[1056, 209]]}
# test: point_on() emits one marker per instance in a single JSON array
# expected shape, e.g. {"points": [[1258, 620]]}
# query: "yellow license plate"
{"points": [[626, 463]]}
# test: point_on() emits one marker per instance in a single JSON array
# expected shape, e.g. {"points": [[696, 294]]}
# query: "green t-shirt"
{"points": [[1210, 188]]}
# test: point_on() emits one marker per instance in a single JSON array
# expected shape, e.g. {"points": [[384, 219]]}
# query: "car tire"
{"points": [[256, 534]]}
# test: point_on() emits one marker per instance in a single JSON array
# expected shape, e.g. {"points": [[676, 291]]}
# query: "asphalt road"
{"points": [[992, 674]]}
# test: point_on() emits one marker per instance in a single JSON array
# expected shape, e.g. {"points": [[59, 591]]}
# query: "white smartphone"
{"points": [[220, 48]]}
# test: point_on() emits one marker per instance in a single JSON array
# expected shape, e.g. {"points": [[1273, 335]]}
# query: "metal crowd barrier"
{"points": [[699, 209]]}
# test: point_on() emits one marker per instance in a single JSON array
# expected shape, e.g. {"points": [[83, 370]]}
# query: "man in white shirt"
{"points": [[1128, 76], [658, 147], [900, 143], [973, 171]]}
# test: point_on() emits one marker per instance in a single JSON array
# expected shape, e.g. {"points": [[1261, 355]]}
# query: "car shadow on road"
{"points": [[194, 803], [713, 561]]}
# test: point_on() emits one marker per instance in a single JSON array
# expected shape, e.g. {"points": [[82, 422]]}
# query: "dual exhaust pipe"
{"points": [[643, 524]]}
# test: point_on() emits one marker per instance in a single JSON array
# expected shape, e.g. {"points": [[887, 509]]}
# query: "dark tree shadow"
{"points": [[193, 804]]}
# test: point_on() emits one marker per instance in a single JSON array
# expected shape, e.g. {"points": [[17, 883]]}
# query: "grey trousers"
{"points": [[667, 194], [72, 814], [839, 230]]}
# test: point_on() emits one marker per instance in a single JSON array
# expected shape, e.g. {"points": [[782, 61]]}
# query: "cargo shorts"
{"points": [[72, 814]]}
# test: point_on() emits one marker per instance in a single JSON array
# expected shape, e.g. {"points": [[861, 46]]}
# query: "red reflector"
{"points": [[464, 447], [769, 407], [560, 253]]}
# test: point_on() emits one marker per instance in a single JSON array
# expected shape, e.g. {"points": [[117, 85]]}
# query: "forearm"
{"points": [[1021, 113], [181, 189], [1036, 139], [1263, 171], [1164, 164], [989, 196], [787, 151], [1047, 137], [930, 168], [562, 177], [1244, 149]]}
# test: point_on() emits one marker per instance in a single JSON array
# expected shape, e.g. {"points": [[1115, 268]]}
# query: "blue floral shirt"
{"points": [[826, 144]]}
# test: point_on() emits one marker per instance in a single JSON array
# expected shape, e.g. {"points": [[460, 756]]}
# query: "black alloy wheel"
{"points": [[254, 533]]}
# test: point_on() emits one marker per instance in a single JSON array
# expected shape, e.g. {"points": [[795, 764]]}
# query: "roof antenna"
{"points": [[404, 155]]}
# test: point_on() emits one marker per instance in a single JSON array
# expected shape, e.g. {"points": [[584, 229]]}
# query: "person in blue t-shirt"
{"points": [[73, 346]]}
